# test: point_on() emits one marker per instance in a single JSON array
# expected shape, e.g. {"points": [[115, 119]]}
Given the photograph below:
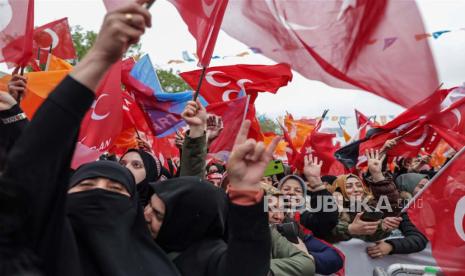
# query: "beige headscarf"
{"points": [[340, 183]]}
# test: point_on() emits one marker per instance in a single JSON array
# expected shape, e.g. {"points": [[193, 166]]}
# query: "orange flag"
{"points": [[280, 149], [57, 63], [39, 86], [299, 129]]}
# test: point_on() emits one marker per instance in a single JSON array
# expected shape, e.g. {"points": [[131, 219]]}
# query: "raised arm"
{"points": [[39, 163], [249, 241]]}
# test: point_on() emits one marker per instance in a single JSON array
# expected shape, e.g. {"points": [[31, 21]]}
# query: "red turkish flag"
{"points": [[319, 145], [57, 35], [439, 214], [165, 148], [203, 18], [224, 83], [291, 152], [362, 44], [232, 113], [16, 28], [103, 122], [362, 119]]}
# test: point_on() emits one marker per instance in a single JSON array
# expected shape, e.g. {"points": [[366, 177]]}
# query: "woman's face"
{"points": [[354, 188], [134, 163], [275, 213], [154, 214], [99, 183], [292, 187], [420, 186]]}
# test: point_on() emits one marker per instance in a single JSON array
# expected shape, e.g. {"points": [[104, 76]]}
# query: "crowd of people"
{"points": [[129, 215]]}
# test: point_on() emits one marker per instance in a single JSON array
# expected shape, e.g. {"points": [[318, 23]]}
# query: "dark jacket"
{"points": [[388, 188], [193, 231], [413, 240], [9, 133], [38, 165], [320, 223], [193, 154]]}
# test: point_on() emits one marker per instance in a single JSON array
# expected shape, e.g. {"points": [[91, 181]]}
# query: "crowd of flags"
{"points": [[380, 47]]}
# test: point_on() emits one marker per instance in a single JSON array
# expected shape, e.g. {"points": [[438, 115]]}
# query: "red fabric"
{"points": [[361, 119], [255, 131], [103, 122], [224, 83], [320, 145], [245, 197], [130, 82], [439, 214], [165, 148], [232, 113], [363, 44], [291, 152], [56, 34], [420, 126], [16, 28], [112, 5], [203, 18]]}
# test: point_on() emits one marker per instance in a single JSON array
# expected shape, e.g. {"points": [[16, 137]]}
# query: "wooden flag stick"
{"points": [[49, 57], [149, 4], [204, 69]]}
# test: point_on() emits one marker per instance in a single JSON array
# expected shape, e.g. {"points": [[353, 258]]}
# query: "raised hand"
{"points": [[248, 160], [214, 127], [120, 29], [6, 101], [195, 116], [179, 140], [389, 144], [312, 171], [17, 87], [375, 164]]}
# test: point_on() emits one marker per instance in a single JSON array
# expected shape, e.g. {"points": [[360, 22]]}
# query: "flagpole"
{"points": [[196, 95], [437, 175], [246, 108], [49, 57], [38, 55], [149, 4]]}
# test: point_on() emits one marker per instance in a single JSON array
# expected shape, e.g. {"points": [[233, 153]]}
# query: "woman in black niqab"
{"points": [[109, 228]]}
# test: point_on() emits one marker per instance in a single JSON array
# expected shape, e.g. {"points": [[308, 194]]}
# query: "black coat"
{"points": [[38, 169], [193, 230], [321, 223], [413, 240], [9, 133]]}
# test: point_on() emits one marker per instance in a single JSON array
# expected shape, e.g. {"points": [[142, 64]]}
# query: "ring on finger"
{"points": [[128, 17]]}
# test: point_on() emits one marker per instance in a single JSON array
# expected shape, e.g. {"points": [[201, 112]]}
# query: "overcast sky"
{"points": [[169, 37]]}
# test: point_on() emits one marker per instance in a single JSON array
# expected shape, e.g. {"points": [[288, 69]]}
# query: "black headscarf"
{"points": [[111, 234], [153, 172], [195, 210]]}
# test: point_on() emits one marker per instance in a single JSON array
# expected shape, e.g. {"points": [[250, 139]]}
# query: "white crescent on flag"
{"points": [[54, 36], [288, 25], [459, 215], [212, 81], [226, 95], [97, 117]]}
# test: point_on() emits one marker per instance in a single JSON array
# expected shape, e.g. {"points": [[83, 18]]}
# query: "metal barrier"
{"points": [[407, 269]]}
